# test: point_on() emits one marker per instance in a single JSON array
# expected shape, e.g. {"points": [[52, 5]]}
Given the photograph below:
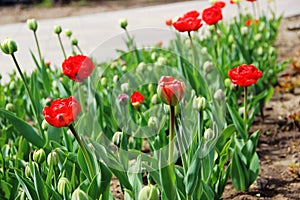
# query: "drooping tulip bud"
{"points": [[32, 24], [103, 81], [27, 171], [78, 194], [244, 30], [170, 90], [52, 157], [45, 124], [219, 95], [153, 123], [149, 192], [57, 29], [8, 46], [154, 99], [208, 66], [64, 186], [9, 107], [123, 99], [123, 23], [125, 87], [39, 156], [116, 139]]}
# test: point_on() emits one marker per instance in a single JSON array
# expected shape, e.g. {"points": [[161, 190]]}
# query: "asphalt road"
{"points": [[99, 34]]}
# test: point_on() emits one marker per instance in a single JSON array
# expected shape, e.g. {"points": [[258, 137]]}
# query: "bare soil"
{"points": [[279, 145]]}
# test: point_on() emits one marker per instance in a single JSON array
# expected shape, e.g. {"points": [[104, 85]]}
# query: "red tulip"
{"points": [[212, 15], [62, 112], [249, 22], [137, 99], [170, 90], [244, 75], [78, 67], [168, 22], [251, 0], [189, 22], [220, 4]]}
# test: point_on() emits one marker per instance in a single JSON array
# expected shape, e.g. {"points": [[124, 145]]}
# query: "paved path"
{"points": [[99, 34]]}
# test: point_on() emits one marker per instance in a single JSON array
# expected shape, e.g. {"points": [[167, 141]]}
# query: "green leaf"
{"points": [[168, 180], [225, 136], [237, 173], [27, 187], [238, 122], [39, 184], [254, 169], [25, 129]]}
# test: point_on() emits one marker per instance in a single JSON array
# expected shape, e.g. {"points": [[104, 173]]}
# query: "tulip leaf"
{"points": [[238, 122], [25, 129], [27, 187]]}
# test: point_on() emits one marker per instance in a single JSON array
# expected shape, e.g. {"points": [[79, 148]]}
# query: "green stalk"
{"points": [[33, 106], [171, 133], [133, 46], [193, 49], [181, 148], [61, 46], [84, 151], [245, 110], [79, 49], [38, 47]]}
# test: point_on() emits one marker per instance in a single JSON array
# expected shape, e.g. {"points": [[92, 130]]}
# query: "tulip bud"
{"points": [[125, 87], [64, 186], [153, 123], [208, 66], [8, 46], [151, 88], [153, 56], [149, 192], [272, 50], [241, 111], [260, 51], [9, 107], [161, 61], [208, 134], [257, 37], [32, 24], [123, 99], [123, 23], [262, 26], [170, 90], [244, 30], [52, 157], [227, 82], [45, 124], [57, 29], [116, 139], [140, 67], [199, 103], [219, 95], [204, 51], [68, 33], [39, 156], [230, 39], [213, 1], [115, 78], [27, 171], [78, 194], [124, 68], [103, 81], [74, 42], [154, 99]]}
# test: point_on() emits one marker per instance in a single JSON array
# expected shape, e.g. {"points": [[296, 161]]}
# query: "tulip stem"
{"points": [[33, 106], [38, 47], [245, 108], [193, 50], [171, 133], [79, 49], [62, 46], [132, 46], [84, 151]]}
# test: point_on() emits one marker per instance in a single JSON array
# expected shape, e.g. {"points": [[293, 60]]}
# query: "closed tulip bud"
{"points": [[272, 50], [57, 29], [116, 139], [103, 81], [262, 26], [170, 90], [52, 157], [199, 103], [151, 88], [241, 110], [161, 61], [257, 37], [208, 66], [244, 30], [154, 99], [260, 51], [123, 99], [230, 39], [124, 68], [9, 107], [153, 123], [149, 192], [209, 134], [32, 24], [27, 171], [153, 56], [78, 194], [227, 82], [140, 67], [204, 51], [8, 46], [123, 23], [219, 95], [68, 33], [125, 87], [64, 186], [115, 78], [39, 156], [45, 124], [213, 1], [74, 42]]}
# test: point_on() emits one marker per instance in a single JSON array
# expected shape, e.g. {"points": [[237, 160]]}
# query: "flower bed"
{"points": [[155, 118]]}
